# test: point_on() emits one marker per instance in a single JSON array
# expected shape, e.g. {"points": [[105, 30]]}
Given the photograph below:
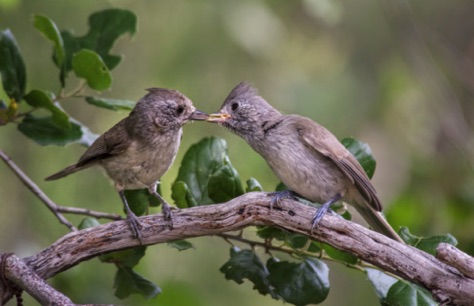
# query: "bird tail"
{"points": [[377, 221], [66, 171]]}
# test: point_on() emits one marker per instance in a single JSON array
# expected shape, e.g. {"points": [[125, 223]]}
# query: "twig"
{"points": [[444, 281], [36, 190], [87, 212]]}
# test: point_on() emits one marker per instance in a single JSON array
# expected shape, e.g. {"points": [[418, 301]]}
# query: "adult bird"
{"points": [[138, 150], [304, 155]]}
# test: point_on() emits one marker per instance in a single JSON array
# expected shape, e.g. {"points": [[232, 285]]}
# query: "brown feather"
{"points": [[317, 137]]}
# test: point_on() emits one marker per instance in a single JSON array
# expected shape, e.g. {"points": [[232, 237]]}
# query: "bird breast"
{"points": [[143, 164]]}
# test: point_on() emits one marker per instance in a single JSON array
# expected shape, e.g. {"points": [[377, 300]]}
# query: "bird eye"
{"points": [[180, 110], [235, 106]]}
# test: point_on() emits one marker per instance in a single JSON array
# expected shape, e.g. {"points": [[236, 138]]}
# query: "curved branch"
{"points": [[254, 209]]}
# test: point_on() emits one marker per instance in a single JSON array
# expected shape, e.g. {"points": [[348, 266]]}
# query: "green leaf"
{"points": [[129, 282], [182, 196], [89, 65], [45, 131], [88, 222], [206, 175], [126, 258], [381, 282], [362, 153], [295, 241], [253, 185], [41, 99], [139, 200], [338, 254], [112, 104], [406, 294], [281, 187], [245, 264], [181, 245], [428, 244], [224, 184], [12, 67], [300, 283], [49, 29], [105, 27]]}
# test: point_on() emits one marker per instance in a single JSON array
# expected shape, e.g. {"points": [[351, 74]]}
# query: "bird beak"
{"points": [[218, 117], [199, 116]]}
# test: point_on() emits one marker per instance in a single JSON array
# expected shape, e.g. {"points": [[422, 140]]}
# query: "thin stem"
{"points": [[36, 190], [289, 251], [73, 93], [87, 212]]}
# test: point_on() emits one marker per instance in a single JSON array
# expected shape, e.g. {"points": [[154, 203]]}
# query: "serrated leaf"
{"points": [[129, 282], [381, 282], [89, 65], [49, 29], [224, 184], [245, 264], [406, 294], [428, 244], [253, 185], [181, 245], [45, 131], [362, 153], [126, 258], [112, 104], [88, 222], [12, 67], [41, 99], [203, 165], [300, 283], [105, 27]]}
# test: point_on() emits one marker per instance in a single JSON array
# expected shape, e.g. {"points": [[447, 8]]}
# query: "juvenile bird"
{"points": [[138, 150], [304, 155]]}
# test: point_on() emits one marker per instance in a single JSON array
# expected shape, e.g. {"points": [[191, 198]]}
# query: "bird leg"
{"points": [[132, 220], [281, 195], [166, 209], [323, 209]]}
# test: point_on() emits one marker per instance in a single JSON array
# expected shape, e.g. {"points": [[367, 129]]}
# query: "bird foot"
{"points": [[135, 226], [278, 196], [322, 210], [167, 214]]}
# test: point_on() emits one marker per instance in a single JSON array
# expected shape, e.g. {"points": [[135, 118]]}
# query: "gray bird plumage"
{"points": [[138, 150], [304, 155]]}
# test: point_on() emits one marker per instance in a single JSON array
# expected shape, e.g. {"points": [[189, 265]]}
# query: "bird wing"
{"points": [[111, 143], [324, 142]]}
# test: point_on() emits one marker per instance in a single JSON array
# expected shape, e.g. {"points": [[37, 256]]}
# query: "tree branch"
{"points": [[36, 190], [253, 209]]}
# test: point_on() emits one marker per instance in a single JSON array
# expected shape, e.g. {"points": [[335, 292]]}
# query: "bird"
{"points": [[304, 155], [140, 148]]}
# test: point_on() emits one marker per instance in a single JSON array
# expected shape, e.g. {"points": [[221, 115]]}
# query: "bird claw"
{"points": [[322, 210], [278, 196], [135, 226], [167, 214]]}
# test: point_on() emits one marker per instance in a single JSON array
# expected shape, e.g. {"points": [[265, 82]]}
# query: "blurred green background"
{"points": [[398, 75]]}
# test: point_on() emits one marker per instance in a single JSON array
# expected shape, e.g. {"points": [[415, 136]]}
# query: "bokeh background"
{"points": [[398, 75]]}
